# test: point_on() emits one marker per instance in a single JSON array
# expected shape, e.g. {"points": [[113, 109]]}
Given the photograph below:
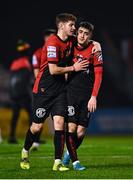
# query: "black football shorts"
{"points": [[43, 105], [77, 109]]}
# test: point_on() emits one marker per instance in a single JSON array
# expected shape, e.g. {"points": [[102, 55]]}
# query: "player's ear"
{"points": [[60, 25]]}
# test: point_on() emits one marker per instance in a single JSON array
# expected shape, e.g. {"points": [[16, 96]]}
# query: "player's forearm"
{"points": [[60, 70], [98, 80], [36, 71], [77, 66]]}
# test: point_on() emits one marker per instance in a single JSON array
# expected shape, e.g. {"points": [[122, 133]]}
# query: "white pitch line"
{"points": [[121, 147], [40, 157], [92, 156]]}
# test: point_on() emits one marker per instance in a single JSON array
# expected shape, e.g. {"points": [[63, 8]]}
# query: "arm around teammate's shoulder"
{"points": [[77, 66], [96, 47]]}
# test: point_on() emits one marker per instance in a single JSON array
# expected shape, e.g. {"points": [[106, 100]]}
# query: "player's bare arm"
{"points": [[36, 71]]}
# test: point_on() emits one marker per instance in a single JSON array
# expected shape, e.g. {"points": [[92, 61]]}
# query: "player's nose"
{"points": [[73, 27], [82, 36]]}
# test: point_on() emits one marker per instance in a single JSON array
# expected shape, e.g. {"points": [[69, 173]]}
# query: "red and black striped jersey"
{"points": [[90, 79], [58, 52]]}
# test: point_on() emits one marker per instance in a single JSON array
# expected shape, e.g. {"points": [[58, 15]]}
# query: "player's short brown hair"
{"points": [[47, 32], [65, 17], [86, 25]]}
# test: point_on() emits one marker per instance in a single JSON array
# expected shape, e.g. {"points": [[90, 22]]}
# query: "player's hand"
{"points": [[96, 47], [92, 104], [81, 65]]}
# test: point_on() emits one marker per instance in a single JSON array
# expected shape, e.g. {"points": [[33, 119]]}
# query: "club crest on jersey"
{"points": [[71, 111], [79, 57], [40, 112]]}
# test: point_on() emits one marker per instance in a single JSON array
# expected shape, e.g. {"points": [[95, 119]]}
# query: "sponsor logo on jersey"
{"points": [[51, 48], [51, 54]]}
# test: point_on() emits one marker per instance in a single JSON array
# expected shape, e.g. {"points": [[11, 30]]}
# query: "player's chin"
{"points": [[81, 43]]}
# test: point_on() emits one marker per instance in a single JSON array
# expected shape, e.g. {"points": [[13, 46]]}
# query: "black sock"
{"points": [[59, 138], [30, 138], [79, 141], [37, 139], [71, 145]]}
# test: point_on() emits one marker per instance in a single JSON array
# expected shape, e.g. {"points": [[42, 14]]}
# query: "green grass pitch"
{"points": [[104, 157]]}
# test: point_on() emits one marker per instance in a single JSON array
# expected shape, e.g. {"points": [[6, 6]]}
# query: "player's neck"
{"points": [[62, 35], [80, 45]]}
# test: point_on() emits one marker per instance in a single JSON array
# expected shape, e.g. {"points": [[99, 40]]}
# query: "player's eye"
{"points": [[72, 24], [80, 31], [86, 33]]}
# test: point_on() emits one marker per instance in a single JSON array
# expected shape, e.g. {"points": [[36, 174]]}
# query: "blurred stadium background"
{"points": [[113, 29]]}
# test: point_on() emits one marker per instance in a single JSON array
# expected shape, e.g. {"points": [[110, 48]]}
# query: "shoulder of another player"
{"points": [[37, 52]]}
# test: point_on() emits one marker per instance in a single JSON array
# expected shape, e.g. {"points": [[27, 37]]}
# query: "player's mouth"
{"points": [[81, 39], [72, 31]]}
